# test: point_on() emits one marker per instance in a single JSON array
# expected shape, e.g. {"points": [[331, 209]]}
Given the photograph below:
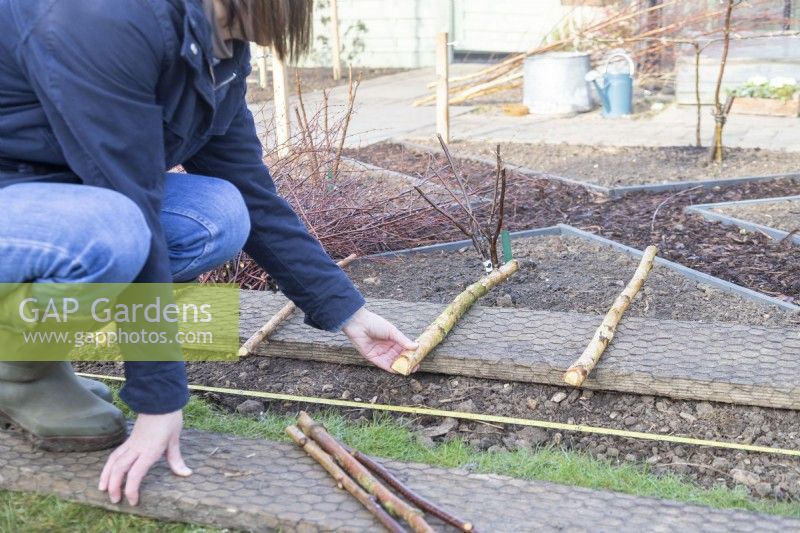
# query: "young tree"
{"points": [[721, 110]]}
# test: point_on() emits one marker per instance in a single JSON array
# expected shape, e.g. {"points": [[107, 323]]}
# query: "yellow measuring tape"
{"points": [[480, 417]]}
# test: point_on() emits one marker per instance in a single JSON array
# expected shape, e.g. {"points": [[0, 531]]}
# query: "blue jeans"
{"points": [[53, 232]]}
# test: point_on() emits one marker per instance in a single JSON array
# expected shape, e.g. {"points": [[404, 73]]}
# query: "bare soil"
{"points": [[561, 274], [749, 259], [564, 274], [765, 476], [558, 274], [783, 215], [311, 79], [619, 166]]}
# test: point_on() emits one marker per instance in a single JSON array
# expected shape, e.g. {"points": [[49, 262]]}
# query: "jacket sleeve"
{"points": [[278, 241], [95, 71]]}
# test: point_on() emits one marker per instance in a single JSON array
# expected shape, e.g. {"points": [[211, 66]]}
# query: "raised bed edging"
{"points": [[707, 212], [618, 192], [567, 230]]}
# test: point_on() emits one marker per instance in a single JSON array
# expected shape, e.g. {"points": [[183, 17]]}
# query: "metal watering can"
{"points": [[616, 91]]}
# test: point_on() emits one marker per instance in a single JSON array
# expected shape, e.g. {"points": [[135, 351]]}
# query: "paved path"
{"points": [[258, 485], [383, 107], [384, 111], [675, 126], [730, 363]]}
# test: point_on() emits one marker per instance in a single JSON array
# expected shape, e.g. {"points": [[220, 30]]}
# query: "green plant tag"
{"points": [[505, 238]]}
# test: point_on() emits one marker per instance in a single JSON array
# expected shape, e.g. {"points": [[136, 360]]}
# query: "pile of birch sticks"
{"points": [[366, 480]]}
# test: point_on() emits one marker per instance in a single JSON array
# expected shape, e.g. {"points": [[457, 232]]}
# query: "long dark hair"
{"points": [[285, 25]]}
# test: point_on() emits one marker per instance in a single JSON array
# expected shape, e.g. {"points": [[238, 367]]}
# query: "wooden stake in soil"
{"points": [[439, 328], [343, 480], [335, 46], [442, 88], [390, 501], [280, 91], [262, 67], [272, 324], [580, 369]]}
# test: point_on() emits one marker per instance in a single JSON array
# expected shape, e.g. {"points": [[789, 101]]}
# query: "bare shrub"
{"points": [[348, 207]]}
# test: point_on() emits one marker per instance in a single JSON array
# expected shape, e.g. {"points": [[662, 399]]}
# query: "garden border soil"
{"points": [[677, 359], [752, 260], [707, 212], [616, 192], [567, 230]]}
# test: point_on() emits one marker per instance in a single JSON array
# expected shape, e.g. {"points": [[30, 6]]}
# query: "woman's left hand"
{"points": [[153, 436], [377, 339]]}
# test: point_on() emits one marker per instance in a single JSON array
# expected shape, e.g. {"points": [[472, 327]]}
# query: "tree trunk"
{"points": [[439, 328], [720, 113], [580, 369]]}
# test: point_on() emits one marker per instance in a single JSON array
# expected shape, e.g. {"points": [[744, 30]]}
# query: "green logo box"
{"points": [[118, 322]]}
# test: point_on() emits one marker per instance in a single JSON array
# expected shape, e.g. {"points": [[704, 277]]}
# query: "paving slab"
{"points": [[258, 485], [722, 362]]}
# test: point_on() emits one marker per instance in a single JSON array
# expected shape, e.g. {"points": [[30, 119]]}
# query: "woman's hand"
{"points": [[377, 339], [151, 438]]}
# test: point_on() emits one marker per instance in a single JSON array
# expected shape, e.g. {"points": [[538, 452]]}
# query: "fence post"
{"points": [[442, 87], [335, 44], [281, 98], [262, 67]]}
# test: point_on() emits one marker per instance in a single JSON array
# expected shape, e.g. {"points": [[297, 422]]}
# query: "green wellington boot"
{"points": [[50, 406], [98, 388]]}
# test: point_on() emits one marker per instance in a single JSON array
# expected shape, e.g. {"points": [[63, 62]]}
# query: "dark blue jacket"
{"points": [[112, 93]]}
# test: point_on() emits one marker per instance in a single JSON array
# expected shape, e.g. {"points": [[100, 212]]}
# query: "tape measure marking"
{"points": [[480, 417]]}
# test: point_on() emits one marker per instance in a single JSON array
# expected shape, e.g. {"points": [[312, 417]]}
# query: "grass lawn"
{"points": [[384, 437]]}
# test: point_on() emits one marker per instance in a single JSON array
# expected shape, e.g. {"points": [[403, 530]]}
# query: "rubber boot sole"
{"points": [[64, 444]]}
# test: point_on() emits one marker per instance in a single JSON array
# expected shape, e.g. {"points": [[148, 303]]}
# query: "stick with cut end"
{"points": [[439, 328], [580, 369], [359, 472], [272, 324], [343, 480], [426, 505]]}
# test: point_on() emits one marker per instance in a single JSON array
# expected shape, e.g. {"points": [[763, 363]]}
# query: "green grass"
{"points": [[389, 438]]}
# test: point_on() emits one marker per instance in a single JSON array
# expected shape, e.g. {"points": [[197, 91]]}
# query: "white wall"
{"points": [[401, 33], [504, 25]]}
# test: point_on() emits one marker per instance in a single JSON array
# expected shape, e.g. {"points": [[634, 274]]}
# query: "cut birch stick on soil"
{"points": [[580, 369], [396, 506], [441, 326], [272, 324], [427, 506], [343, 480]]}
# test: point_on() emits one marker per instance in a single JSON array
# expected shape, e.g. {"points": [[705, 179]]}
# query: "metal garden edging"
{"points": [[567, 230], [707, 212]]}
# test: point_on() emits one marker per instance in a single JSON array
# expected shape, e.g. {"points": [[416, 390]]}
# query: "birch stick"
{"points": [[343, 480], [272, 324], [439, 328], [580, 369], [429, 507], [359, 472]]}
